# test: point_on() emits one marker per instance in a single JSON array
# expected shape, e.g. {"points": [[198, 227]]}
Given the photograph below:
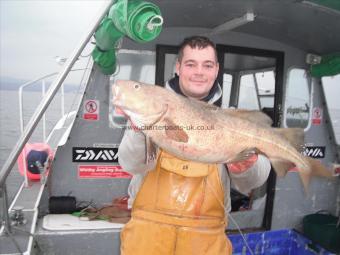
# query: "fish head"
{"points": [[141, 103]]}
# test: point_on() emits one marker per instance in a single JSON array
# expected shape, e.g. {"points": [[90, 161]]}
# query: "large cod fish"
{"points": [[194, 130]]}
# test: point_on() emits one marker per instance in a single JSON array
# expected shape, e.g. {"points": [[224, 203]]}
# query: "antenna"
{"points": [[231, 24]]}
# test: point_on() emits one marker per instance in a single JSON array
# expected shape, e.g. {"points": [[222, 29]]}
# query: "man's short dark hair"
{"points": [[200, 42]]}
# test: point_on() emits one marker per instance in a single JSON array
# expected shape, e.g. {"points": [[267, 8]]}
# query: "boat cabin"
{"points": [[279, 57]]}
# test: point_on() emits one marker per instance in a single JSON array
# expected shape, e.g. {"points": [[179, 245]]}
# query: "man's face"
{"points": [[197, 71]]}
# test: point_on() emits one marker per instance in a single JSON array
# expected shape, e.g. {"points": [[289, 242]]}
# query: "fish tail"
{"points": [[305, 175], [312, 167]]}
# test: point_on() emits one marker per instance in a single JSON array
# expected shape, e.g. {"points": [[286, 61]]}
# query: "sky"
{"points": [[33, 33]]}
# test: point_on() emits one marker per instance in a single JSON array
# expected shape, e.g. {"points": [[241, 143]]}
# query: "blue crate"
{"points": [[278, 242]]}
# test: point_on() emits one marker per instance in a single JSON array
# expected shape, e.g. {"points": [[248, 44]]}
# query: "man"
{"points": [[184, 214]]}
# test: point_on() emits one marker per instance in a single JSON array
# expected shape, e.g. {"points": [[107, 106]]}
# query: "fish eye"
{"points": [[136, 86]]}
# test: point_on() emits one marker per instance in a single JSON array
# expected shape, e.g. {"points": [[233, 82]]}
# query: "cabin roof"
{"points": [[306, 25]]}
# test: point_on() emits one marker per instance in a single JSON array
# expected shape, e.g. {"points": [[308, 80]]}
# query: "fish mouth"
{"points": [[139, 119]]}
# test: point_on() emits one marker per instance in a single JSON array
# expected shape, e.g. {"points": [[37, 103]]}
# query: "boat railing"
{"points": [[34, 83], [42, 107], [46, 138], [43, 92]]}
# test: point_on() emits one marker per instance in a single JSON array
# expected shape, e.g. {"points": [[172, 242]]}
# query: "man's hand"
{"points": [[242, 166]]}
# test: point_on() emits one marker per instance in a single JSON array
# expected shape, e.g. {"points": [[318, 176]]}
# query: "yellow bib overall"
{"points": [[177, 211]]}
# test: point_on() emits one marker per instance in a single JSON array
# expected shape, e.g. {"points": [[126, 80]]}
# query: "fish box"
{"points": [[278, 242]]}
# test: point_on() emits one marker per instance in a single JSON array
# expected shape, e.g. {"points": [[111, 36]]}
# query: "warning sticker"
{"points": [[100, 172], [337, 169], [317, 116], [91, 110]]}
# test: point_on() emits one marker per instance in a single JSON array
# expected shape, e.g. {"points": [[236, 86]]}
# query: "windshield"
{"points": [[331, 87]]}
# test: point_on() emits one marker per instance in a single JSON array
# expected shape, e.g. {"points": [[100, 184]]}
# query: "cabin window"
{"points": [[248, 96], [297, 104], [136, 65], [227, 83], [170, 67], [132, 65], [331, 88], [257, 90], [266, 86]]}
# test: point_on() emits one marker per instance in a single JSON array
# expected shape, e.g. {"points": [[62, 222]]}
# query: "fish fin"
{"points": [[251, 115], [281, 167], [243, 155], [174, 132], [150, 150], [202, 104], [295, 136], [255, 116], [318, 169], [305, 179]]}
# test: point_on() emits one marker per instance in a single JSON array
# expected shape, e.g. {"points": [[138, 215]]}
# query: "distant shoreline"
{"points": [[13, 84]]}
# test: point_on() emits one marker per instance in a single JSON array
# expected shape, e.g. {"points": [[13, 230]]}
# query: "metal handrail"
{"points": [[21, 117], [21, 108], [42, 79], [6, 169]]}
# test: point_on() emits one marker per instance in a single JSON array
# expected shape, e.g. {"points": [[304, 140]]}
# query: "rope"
{"points": [[232, 219]]}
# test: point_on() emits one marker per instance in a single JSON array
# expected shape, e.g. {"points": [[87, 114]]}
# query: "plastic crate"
{"points": [[278, 242]]}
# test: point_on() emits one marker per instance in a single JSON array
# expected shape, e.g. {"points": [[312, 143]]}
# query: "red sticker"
{"points": [[101, 171], [317, 116], [337, 169], [91, 110]]}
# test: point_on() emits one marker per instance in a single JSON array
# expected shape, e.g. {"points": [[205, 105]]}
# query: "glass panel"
{"points": [[331, 87], [266, 83], [227, 82], [267, 102], [266, 88], [297, 102], [133, 65], [247, 96], [169, 66], [136, 65]]}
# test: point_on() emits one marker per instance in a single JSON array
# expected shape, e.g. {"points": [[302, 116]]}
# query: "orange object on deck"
{"points": [[30, 155]]}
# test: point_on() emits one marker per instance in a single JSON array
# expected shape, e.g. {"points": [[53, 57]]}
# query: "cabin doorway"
{"points": [[250, 79], [253, 79]]}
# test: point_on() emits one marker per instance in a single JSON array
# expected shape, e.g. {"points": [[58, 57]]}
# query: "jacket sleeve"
{"points": [[131, 153], [253, 178]]}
